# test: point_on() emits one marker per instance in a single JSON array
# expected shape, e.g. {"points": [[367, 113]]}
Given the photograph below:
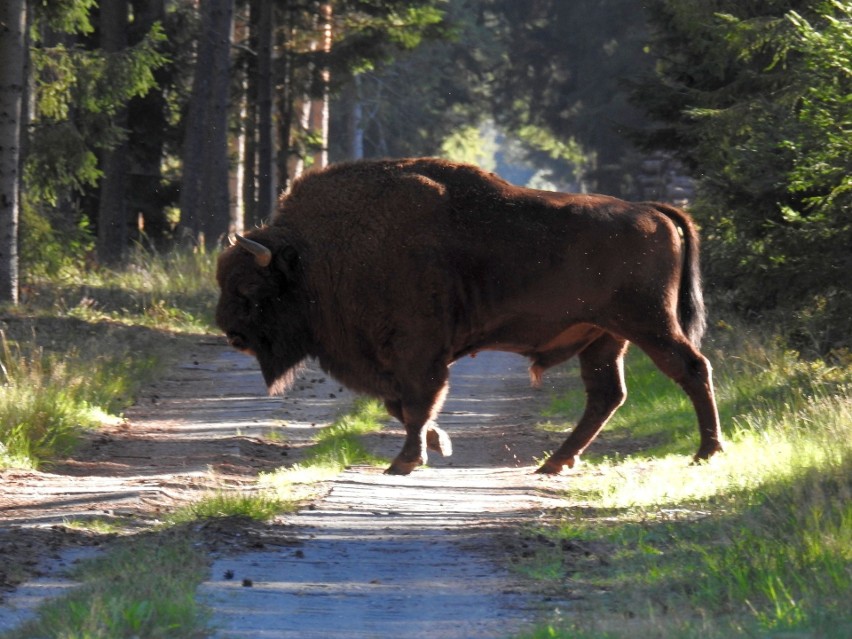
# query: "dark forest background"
{"points": [[157, 123]]}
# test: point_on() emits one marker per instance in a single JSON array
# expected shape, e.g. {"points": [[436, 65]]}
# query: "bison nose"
{"points": [[237, 341]]}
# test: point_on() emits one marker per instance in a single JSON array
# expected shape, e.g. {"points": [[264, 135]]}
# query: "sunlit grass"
{"points": [[175, 291], [46, 400], [84, 341], [757, 541], [143, 587], [335, 448], [260, 505]]}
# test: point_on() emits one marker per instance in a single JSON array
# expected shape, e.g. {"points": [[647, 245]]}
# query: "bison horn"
{"points": [[262, 255]]}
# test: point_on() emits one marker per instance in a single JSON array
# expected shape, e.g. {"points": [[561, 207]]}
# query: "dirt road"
{"points": [[378, 556]]}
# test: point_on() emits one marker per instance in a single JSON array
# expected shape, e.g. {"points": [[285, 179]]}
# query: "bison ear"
{"points": [[287, 262]]}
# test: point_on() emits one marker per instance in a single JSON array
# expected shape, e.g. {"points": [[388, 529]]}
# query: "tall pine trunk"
{"points": [[204, 201], [12, 63], [148, 127], [112, 212], [266, 167], [320, 106]]}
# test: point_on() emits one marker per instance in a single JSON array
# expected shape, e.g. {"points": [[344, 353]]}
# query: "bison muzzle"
{"points": [[386, 272]]}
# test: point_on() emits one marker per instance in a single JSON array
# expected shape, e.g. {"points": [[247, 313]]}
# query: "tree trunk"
{"points": [[204, 200], [112, 211], [266, 167], [249, 120], [12, 63], [148, 126], [320, 106]]}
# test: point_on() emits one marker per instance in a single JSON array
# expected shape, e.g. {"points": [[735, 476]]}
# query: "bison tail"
{"points": [[691, 312]]}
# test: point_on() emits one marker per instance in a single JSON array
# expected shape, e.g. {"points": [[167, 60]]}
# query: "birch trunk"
{"points": [[12, 63]]}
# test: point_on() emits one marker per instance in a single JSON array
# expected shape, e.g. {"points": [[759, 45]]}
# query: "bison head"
{"points": [[263, 306]]}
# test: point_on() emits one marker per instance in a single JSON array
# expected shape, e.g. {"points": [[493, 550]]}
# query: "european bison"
{"points": [[388, 271]]}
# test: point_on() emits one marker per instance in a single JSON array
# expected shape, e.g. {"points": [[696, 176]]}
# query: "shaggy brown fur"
{"points": [[388, 271]]}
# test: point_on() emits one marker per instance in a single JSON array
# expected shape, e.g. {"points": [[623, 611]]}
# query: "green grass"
{"points": [[175, 291], [336, 447], [256, 505], [145, 585], [47, 399], [142, 587], [758, 542], [73, 355]]}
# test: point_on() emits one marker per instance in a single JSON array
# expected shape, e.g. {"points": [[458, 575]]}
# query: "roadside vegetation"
{"points": [[143, 586], [74, 354], [758, 542]]}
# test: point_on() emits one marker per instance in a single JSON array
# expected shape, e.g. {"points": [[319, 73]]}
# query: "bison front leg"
{"points": [[437, 439], [421, 432]]}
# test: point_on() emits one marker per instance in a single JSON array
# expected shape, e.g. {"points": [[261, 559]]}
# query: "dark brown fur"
{"points": [[388, 271]]}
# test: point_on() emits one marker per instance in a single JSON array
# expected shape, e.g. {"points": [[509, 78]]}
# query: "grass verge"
{"points": [[756, 543], [336, 447], [142, 587], [74, 354]]}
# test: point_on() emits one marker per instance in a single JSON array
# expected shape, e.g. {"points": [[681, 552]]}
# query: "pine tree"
{"points": [[204, 198]]}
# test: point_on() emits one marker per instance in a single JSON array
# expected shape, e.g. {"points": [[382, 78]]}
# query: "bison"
{"points": [[386, 272]]}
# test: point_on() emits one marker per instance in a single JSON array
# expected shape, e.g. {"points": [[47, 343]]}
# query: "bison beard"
{"points": [[388, 271]]}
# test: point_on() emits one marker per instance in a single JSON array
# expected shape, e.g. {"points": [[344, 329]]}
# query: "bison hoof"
{"points": [[399, 467], [555, 467], [439, 441], [706, 452]]}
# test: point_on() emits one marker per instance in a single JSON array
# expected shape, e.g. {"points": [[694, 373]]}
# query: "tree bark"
{"points": [[267, 187], [249, 120], [148, 126], [12, 63], [204, 201], [320, 106], [113, 217]]}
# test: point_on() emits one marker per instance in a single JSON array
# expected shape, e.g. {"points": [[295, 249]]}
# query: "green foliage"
{"points": [[63, 16], [77, 91], [52, 250], [471, 144], [755, 99], [398, 121], [560, 69]]}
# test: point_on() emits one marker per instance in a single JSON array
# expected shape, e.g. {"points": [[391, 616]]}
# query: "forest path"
{"points": [[378, 556]]}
